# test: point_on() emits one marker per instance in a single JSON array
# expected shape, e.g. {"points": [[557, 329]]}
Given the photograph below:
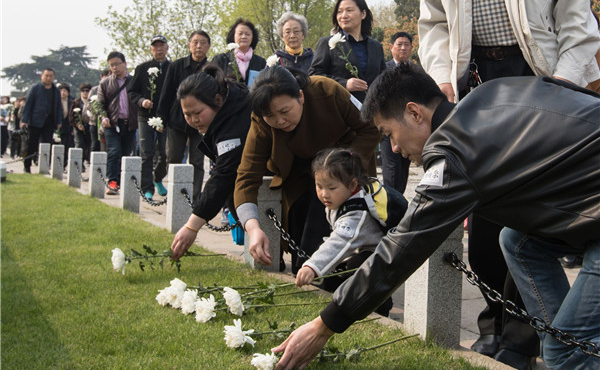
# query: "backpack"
{"points": [[386, 205]]}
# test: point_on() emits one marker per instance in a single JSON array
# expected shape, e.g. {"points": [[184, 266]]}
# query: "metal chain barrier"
{"points": [[537, 323], [105, 181], [79, 172], [208, 225], [22, 159], [147, 200], [288, 238]]}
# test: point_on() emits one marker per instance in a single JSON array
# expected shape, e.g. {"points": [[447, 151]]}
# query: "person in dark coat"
{"points": [[247, 64], [217, 107], [292, 28], [353, 20]]}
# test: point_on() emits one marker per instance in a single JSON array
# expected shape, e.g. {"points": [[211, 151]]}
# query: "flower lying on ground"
{"points": [[233, 301], [205, 309], [172, 295], [235, 337], [264, 362], [188, 302], [118, 260]]}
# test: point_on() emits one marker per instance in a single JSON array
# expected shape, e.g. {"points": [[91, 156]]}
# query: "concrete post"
{"points": [[129, 195], [97, 171], [181, 176], [267, 198], [75, 161], [2, 171], [58, 161], [432, 298], [44, 158]]}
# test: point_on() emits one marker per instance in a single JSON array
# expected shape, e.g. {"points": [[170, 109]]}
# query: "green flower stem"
{"points": [[294, 293], [284, 304], [388, 343], [282, 331]]}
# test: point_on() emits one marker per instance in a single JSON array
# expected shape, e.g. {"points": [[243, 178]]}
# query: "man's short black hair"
{"points": [[116, 54], [395, 87], [401, 34]]}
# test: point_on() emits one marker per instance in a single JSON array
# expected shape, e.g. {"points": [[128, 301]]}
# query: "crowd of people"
{"points": [[497, 114]]}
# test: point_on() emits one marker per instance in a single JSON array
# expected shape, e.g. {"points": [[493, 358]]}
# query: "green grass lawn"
{"points": [[64, 307]]}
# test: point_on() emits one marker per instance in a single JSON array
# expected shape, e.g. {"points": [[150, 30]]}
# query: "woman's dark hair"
{"points": [[275, 81], [231, 34], [395, 87], [205, 85], [366, 26], [342, 165]]}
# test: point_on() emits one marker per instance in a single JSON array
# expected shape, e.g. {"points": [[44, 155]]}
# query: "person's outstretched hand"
{"points": [[303, 345], [258, 244], [182, 242]]}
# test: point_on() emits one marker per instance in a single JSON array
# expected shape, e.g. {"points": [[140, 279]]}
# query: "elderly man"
{"points": [[496, 154], [145, 92]]}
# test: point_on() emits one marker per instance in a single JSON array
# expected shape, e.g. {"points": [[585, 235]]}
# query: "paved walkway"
{"points": [[472, 300]]}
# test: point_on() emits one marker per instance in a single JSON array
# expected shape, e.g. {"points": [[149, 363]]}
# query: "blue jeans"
{"points": [[545, 290], [118, 144]]}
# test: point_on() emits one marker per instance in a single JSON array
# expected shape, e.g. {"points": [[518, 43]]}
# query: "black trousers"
{"points": [[394, 167], [485, 256], [36, 136]]}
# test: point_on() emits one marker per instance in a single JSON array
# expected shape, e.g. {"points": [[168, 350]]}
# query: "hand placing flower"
{"points": [[156, 123], [335, 42], [235, 337], [264, 362], [272, 60], [233, 63]]}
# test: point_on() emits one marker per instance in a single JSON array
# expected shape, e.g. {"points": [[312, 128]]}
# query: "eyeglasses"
{"points": [[290, 32], [115, 65], [196, 43]]}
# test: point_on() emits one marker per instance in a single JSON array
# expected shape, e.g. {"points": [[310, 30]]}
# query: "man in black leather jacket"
{"points": [[523, 152]]}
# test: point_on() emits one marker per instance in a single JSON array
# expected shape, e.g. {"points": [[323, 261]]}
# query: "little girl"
{"points": [[340, 176]]}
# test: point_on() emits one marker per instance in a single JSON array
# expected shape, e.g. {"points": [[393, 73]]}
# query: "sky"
{"points": [[32, 27]]}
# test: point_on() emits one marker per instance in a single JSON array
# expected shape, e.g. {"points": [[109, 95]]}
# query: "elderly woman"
{"points": [[292, 28], [293, 117], [247, 64], [353, 20]]}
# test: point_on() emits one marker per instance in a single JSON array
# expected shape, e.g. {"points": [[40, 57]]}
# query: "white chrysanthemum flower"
{"points": [[235, 337], [233, 301], [76, 110], [118, 260], [188, 302], [335, 39], [162, 297], [153, 71], [13, 99], [178, 285], [264, 362], [94, 98], [232, 46], [272, 60], [205, 309], [156, 123], [89, 114]]}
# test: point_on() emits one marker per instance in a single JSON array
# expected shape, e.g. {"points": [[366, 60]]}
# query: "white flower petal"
{"points": [[233, 301], [235, 337], [264, 362], [232, 46], [188, 302], [118, 260], [272, 60], [205, 309]]}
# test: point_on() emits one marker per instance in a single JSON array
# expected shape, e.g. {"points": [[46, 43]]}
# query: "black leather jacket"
{"points": [[523, 152]]}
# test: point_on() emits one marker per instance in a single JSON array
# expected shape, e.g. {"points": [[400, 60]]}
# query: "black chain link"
{"points": [[537, 323], [105, 181], [288, 238], [144, 198], [79, 172], [208, 225]]}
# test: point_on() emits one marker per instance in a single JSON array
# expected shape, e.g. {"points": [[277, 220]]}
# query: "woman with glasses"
{"points": [[292, 28]]}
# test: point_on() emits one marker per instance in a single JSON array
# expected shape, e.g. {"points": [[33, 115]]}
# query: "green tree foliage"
{"points": [[70, 63], [132, 29], [265, 13], [407, 8]]}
